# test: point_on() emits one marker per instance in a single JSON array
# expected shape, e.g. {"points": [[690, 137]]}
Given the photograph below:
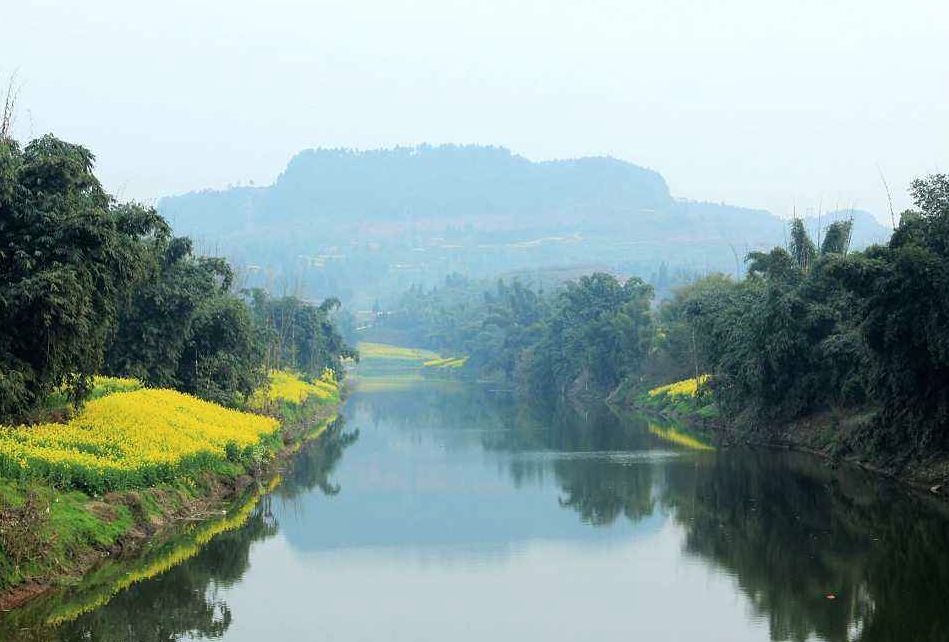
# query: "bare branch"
{"points": [[889, 197], [9, 107]]}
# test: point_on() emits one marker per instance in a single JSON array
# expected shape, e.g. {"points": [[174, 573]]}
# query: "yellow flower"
{"points": [[446, 362], [135, 438], [684, 388], [287, 387]]}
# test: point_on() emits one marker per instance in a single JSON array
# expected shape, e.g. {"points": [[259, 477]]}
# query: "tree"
{"points": [[781, 343], [69, 254], [801, 247], [837, 238], [513, 317], [599, 332], [297, 335], [903, 314], [185, 329]]}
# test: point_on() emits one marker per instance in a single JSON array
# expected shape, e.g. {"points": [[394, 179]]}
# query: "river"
{"points": [[443, 511]]}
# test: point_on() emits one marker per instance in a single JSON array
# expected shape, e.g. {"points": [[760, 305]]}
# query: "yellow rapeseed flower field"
{"points": [[134, 439], [368, 350], [684, 388], [288, 387], [446, 362]]}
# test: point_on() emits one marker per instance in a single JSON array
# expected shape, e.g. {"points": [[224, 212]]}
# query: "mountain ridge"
{"points": [[365, 221]]}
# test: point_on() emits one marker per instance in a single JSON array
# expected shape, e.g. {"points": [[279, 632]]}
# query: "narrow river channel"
{"points": [[442, 511]]}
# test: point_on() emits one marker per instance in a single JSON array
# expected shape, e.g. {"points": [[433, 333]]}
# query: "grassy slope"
{"points": [[369, 350], [51, 536]]}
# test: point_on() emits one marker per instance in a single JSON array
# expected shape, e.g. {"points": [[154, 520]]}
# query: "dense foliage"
{"points": [[582, 338], [299, 336], [184, 328], [598, 332], [69, 255], [816, 328], [812, 328], [901, 292], [89, 285]]}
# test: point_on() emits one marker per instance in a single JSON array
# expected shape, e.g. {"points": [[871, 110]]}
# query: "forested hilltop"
{"points": [[365, 225], [817, 345]]}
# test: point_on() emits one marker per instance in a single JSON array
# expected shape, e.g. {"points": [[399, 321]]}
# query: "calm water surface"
{"points": [[443, 512]]}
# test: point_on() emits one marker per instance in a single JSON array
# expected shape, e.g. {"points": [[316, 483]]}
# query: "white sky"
{"points": [[757, 103]]}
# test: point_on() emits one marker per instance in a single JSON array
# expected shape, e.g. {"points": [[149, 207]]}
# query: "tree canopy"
{"points": [[69, 257], [90, 285], [810, 328]]}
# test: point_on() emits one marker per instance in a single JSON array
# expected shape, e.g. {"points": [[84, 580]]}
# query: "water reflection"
{"points": [[594, 522], [601, 492], [834, 554], [313, 466], [818, 552], [185, 600]]}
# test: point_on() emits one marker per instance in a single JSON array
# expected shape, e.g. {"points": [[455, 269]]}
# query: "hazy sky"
{"points": [[757, 103]]}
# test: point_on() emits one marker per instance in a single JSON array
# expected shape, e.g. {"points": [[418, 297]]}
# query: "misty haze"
{"points": [[474, 320]]}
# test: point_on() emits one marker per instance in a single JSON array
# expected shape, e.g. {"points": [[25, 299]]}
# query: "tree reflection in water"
{"points": [[832, 554], [836, 554], [602, 491], [840, 555], [181, 600], [819, 553]]}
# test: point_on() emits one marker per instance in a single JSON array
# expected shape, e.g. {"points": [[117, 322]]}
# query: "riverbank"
{"points": [[71, 497], [834, 435], [837, 436]]}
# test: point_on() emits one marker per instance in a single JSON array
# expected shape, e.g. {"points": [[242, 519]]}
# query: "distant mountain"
{"points": [[366, 225]]}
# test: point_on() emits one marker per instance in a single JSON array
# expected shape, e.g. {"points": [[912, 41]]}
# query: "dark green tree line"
{"points": [[297, 335], [583, 338], [69, 257], [599, 332], [901, 300], [184, 328], [810, 330], [90, 286]]}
